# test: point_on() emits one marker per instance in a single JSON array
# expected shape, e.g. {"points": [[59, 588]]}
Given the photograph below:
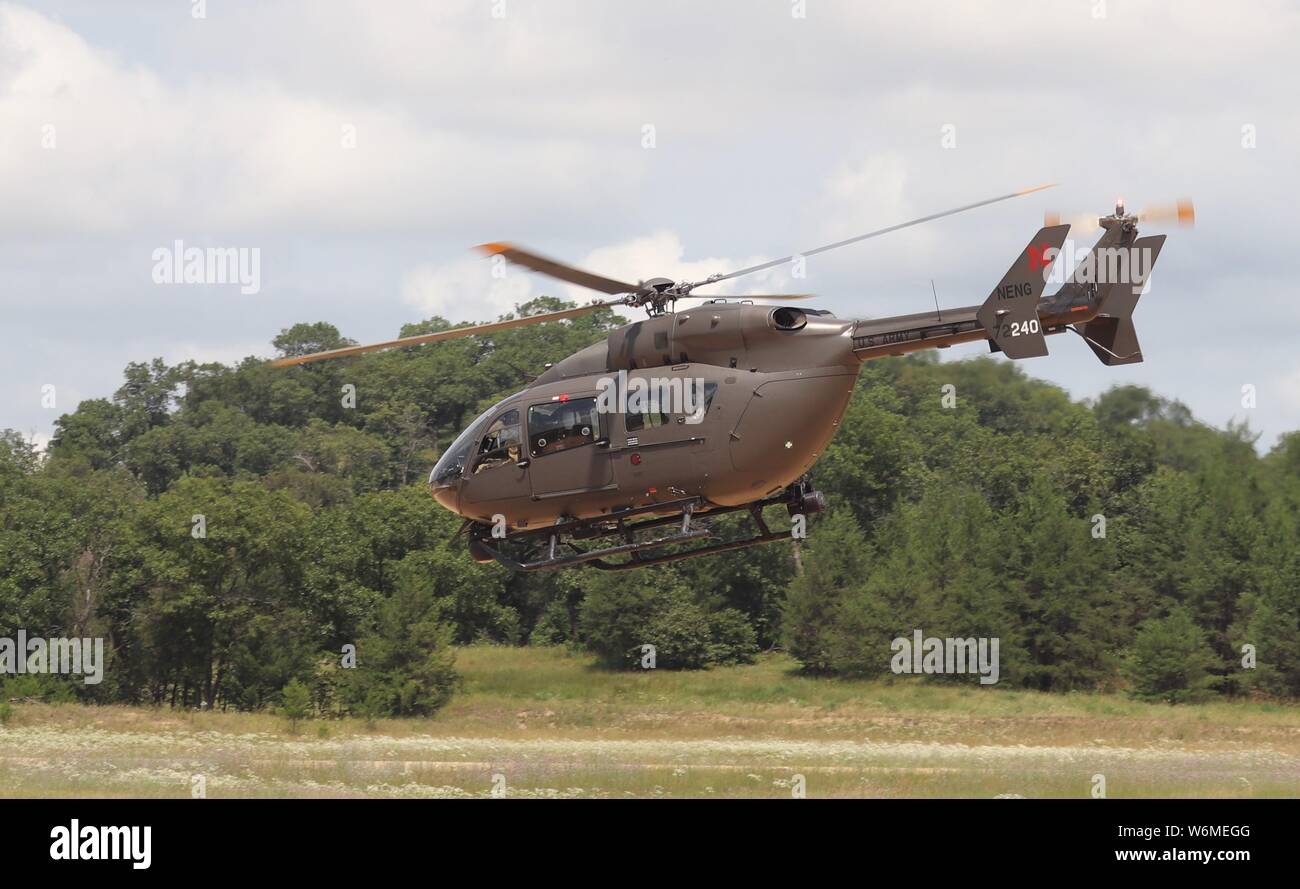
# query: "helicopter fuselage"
{"points": [[725, 406], [770, 386], [774, 383]]}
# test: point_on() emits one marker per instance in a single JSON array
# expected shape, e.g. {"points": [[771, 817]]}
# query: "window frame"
{"points": [[595, 435], [664, 417], [477, 465]]}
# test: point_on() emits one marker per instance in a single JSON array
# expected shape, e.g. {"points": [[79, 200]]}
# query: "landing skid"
{"points": [[545, 554]]}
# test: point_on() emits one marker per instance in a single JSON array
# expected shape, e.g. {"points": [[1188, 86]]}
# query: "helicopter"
{"points": [[621, 455]]}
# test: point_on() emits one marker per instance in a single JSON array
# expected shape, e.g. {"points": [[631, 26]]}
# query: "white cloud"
{"points": [[662, 254], [1287, 392], [875, 181], [125, 148], [41, 440], [465, 290]]}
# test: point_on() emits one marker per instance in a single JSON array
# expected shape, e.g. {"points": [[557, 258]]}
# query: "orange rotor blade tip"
{"points": [[1035, 188], [1186, 212], [492, 248], [1051, 218]]}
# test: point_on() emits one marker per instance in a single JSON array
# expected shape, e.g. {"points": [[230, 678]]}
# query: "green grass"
{"points": [[554, 724], [772, 699]]}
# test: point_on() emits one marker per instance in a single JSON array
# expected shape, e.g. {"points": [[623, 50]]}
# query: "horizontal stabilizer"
{"points": [[1113, 340]]}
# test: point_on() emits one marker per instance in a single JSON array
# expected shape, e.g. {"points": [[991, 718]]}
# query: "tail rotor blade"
{"points": [[1182, 212]]}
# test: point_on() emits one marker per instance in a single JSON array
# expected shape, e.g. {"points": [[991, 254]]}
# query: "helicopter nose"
{"points": [[447, 495], [446, 490]]}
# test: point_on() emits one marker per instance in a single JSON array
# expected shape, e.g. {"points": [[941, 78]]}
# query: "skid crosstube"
{"points": [[554, 537]]}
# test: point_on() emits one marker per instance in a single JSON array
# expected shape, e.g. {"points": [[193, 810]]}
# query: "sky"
{"points": [[361, 149]]}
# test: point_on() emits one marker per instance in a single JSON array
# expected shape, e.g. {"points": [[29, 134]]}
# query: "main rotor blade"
{"points": [[881, 231], [454, 333], [557, 269]]}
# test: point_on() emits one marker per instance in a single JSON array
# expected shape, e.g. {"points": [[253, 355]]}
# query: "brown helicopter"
{"points": [[725, 406]]}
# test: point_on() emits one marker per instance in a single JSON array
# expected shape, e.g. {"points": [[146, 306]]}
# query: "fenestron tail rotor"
{"points": [[652, 294]]}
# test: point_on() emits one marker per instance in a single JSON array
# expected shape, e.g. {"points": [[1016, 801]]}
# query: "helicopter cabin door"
{"points": [[568, 447], [494, 460], [665, 431]]}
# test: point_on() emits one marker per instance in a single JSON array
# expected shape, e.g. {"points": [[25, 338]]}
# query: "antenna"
{"points": [[937, 313]]}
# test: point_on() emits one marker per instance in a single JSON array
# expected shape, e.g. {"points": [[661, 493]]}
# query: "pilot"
{"points": [[499, 446]]}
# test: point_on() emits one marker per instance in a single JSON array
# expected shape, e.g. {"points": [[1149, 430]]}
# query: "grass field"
{"points": [[547, 723]]}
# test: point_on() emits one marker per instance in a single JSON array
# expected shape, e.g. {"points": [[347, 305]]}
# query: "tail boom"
{"points": [[1015, 321]]}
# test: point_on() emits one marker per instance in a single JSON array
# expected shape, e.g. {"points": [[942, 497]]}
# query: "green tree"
{"points": [[1170, 660], [406, 664], [836, 561], [295, 703], [617, 619], [206, 568], [304, 339]]}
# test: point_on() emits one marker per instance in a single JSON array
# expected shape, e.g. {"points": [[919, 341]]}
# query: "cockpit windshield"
{"points": [[451, 465]]}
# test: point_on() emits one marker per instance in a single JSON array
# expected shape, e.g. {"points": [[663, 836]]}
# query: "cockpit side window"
{"points": [[451, 465], [560, 425], [500, 443]]}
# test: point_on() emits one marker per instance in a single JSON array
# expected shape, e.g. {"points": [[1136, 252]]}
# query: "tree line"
{"points": [[230, 530]]}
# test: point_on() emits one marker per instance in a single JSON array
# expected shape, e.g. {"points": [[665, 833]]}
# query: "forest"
{"points": [[240, 535]]}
